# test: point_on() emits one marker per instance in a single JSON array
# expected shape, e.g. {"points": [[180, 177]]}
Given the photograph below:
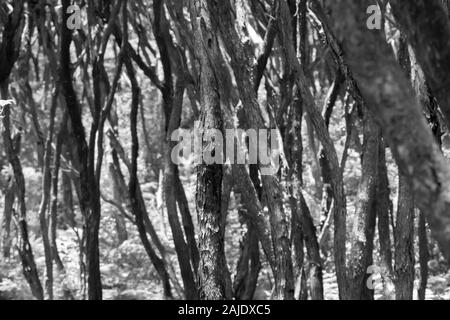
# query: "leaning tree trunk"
{"points": [[53, 219], [136, 202], [244, 66], [427, 27], [404, 243], [12, 147], [404, 228], [90, 194], [337, 184], [301, 213], [391, 100], [248, 265], [172, 107], [9, 51]]}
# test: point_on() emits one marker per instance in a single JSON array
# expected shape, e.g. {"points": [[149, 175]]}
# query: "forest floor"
{"points": [[126, 275]]}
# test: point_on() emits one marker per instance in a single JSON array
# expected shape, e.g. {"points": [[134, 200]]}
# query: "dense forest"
{"points": [[225, 149]]}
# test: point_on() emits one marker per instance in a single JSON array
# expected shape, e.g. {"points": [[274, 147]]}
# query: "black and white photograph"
{"points": [[243, 151]]}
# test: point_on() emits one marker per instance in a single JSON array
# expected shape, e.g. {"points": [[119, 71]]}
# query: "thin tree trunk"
{"points": [[404, 242], [313, 252], [423, 256], [122, 234], [244, 66], [46, 189], [54, 195], [339, 209], [248, 266], [365, 219], [184, 252], [383, 208], [297, 243], [133, 186], [10, 196], [301, 213], [12, 147], [227, 187], [67, 199], [186, 218]]}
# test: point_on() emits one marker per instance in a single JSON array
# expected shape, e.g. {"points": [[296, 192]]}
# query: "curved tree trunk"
{"points": [[90, 195], [12, 146], [391, 100], [429, 38]]}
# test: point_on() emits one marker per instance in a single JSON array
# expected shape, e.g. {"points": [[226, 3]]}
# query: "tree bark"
{"points": [[365, 219], [243, 65], [248, 266], [383, 208], [404, 243], [10, 196], [212, 285], [90, 195], [428, 29], [423, 256], [391, 100], [12, 147], [339, 210], [53, 220]]}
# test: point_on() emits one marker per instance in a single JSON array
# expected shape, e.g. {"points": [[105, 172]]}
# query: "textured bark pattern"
{"points": [[12, 147], [391, 100], [365, 219], [212, 284], [429, 38], [404, 243], [339, 211]]}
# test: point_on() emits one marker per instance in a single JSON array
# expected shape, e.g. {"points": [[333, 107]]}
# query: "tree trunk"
{"points": [[136, 202], [212, 285], [383, 208], [12, 147], [365, 219], [186, 218], [404, 242], [392, 102], [122, 234], [428, 29], [244, 66], [248, 266], [90, 195], [46, 189], [10, 196], [339, 210], [53, 224], [301, 213], [423, 256]]}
